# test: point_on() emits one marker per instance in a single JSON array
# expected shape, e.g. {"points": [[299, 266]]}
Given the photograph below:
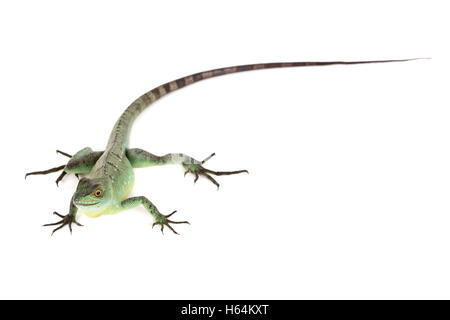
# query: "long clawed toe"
{"points": [[166, 222], [64, 153], [207, 176], [61, 176], [208, 157]]}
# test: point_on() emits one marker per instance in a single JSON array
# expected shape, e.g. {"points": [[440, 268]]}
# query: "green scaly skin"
{"points": [[109, 174]]}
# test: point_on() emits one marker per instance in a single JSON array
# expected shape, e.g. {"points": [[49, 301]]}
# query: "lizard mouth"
{"points": [[86, 204]]}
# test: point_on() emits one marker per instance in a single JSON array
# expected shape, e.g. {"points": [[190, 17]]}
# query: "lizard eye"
{"points": [[98, 193]]}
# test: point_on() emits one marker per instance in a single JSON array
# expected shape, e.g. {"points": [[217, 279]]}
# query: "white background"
{"points": [[348, 194]]}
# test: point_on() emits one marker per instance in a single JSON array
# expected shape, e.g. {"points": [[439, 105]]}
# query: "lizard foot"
{"points": [[197, 170], [66, 220], [56, 169], [163, 220]]}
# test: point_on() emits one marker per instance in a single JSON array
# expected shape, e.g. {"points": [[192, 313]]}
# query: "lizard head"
{"points": [[93, 195]]}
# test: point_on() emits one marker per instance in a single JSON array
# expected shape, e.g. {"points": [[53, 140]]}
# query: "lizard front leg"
{"points": [[140, 158], [159, 219], [66, 220], [81, 162]]}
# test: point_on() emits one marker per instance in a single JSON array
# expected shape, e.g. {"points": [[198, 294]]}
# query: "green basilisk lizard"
{"points": [[109, 175]]}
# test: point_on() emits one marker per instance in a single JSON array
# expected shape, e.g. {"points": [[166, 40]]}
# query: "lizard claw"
{"points": [[163, 220]]}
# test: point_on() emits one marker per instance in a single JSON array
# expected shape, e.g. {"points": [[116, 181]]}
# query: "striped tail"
{"points": [[156, 93], [124, 123]]}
